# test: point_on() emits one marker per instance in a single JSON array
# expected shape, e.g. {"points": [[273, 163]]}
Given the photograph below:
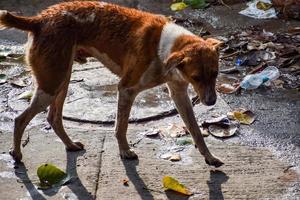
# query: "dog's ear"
{"points": [[175, 60], [214, 42]]}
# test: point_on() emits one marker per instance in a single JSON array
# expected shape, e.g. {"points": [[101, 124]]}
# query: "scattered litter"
{"points": [[226, 88], [184, 141], [19, 83], [3, 79], [253, 81], [222, 121], [176, 131], [26, 95], [204, 132], [166, 156], [254, 10], [243, 116], [175, 158], [169, 183], [220, 127], [125, 182], [51, 176], [222, 132], [152, 133]]}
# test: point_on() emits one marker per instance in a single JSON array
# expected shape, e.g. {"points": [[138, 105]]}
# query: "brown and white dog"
{"points": [[143, 49]]}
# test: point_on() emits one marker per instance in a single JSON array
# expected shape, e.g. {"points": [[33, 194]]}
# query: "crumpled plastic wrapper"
{"points": [[254, 12]]}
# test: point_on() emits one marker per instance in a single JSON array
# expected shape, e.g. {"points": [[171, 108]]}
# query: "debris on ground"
{"points": [[258, 48], [221, 127], [51, 176], [195, 4], [259, 9], [175, 158], [243, 116], [265, 77], [3, 79], [184, 141], [125, 182], [151, 133], [25, 95], [175, 130], [287, 8], [170, 183]]}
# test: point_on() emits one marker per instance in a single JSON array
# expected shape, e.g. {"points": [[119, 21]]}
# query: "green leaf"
{"points": [[3, 78], [183, 142], [51, 176], [197, 4], [178, 6]]}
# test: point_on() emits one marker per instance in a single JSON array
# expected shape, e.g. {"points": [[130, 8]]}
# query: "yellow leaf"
{"points": [[170, 183], [244, 117], [178, 6], [263, 6]]}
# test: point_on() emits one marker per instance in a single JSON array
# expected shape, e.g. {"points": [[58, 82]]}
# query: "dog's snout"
{"points": [[210, 101], [210, 98]]}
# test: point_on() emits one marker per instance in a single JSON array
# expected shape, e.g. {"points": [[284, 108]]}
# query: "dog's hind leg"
{"points": [[55, 118], [56, 108], [41, 100]]}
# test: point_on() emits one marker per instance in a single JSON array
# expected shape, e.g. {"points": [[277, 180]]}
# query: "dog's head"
{"points": [[198, 64]]}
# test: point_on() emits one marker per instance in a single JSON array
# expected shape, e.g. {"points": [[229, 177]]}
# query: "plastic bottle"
{"points": [[265, 77]]}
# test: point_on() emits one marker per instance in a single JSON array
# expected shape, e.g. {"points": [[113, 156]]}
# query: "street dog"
{"points": [[143, 49]]}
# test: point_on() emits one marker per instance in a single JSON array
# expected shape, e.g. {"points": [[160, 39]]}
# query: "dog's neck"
{"points": [[169, 34]]}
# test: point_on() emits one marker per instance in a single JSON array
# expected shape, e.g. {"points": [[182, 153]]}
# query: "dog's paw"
{"points": [[128, 154], [17, 156], [75, 146], [213, 161]]}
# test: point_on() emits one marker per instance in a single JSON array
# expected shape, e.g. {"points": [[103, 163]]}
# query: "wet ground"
{"points": [[262, 160]]}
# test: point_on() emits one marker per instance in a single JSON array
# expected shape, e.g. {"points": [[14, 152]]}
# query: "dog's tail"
{"points": [[9, 20]]}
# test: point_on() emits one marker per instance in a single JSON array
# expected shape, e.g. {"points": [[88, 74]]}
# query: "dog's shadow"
{"points": [[75, 185], [217, 178], [136, 180]]}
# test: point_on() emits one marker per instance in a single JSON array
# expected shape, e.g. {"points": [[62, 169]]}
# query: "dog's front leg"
{"points": [[126, 97], [178, 92]]}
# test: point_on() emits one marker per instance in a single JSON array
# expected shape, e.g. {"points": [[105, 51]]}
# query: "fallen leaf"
{"points": [[243, 116], [178, 6], [185, 141], [125, 182], [26, 95], [175, 158], [176, 131], [3, 78], [51, 176], [169, 183]]}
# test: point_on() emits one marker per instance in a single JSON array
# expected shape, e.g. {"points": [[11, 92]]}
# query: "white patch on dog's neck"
{"points": [[169, 34]]}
